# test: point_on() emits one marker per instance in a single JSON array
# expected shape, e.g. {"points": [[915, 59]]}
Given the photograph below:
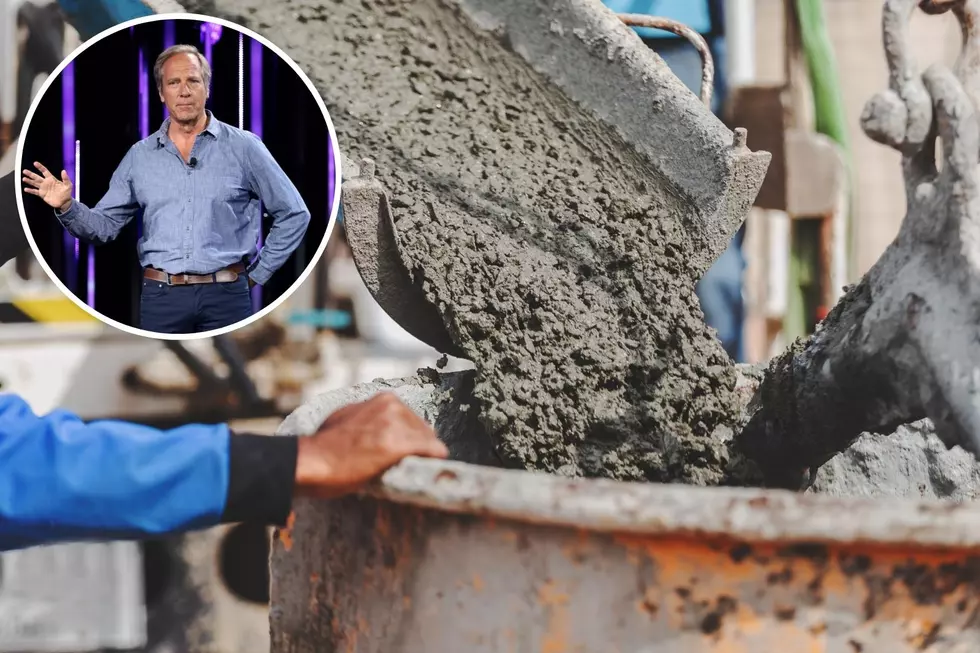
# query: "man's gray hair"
{"points": [[181, 49]]}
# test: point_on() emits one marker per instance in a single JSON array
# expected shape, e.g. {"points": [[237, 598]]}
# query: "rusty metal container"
{"points": [[448, 556]]}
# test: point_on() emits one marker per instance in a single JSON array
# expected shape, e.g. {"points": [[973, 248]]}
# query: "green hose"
{"points": [[818, 52], [831, 120]]}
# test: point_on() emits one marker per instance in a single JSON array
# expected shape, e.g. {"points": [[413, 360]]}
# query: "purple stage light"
{"points": [[330, 174], [169, 40], [255, 71], [91, 276], [144, 115], [68, 160], [169, 34], [255, 104], [210, 33], [144, 99]]}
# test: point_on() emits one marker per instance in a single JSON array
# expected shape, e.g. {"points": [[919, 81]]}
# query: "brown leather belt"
{"points": [[229, 274]]}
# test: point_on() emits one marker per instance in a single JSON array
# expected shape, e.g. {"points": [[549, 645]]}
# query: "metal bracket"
{"points": [[707, 62]]}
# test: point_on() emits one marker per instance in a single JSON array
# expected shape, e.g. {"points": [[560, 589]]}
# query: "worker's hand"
{"points": [[358, 443], [55, 192]]}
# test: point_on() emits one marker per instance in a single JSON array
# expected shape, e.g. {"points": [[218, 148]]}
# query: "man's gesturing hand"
{"points": [[56, 193], [359, 442]]}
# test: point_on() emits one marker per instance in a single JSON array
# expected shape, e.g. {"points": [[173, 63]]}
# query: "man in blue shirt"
{"points": [[63, 480], [202, 184]]}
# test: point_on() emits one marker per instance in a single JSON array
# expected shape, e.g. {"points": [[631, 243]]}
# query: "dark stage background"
{"points": [[107, 99]]}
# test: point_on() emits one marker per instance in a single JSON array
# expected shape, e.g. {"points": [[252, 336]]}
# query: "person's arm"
{"points": [[105, 220], [284, 204], [62, 479], [13, 238]]}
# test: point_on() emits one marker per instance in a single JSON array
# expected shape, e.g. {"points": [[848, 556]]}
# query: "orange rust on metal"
{"points": [[445, 475], [929, 592], [284, 535], [555, 601], [549, 595], [577, 549], [382, 526], [351, 640], [651, 590], [648, 603], [314, 604]]}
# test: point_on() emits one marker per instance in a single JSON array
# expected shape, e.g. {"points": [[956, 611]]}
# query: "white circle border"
{"points": [[331, 216]]}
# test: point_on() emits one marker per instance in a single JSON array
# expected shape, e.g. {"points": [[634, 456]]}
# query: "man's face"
{"points": [[183, 89]]}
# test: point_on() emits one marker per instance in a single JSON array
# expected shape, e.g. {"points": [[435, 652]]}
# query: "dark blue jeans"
{"points": [[720, 289], [195, 308]]}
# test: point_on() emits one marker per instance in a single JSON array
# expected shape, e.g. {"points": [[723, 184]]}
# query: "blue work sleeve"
{"points": [[64, 480]]}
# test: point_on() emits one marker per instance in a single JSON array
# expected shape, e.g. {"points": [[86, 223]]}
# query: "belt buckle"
{"points": [[177, 279]]}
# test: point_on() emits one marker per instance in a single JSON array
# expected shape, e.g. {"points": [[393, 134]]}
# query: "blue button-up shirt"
{"points": [[204, 217]]}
